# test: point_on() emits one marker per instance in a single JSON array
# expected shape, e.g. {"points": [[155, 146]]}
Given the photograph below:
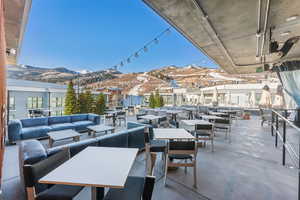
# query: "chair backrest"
{"points": [[32, 173], [139, 115], [182, 147], [121, 113], [222, 121], [206, 127], [148, 187]]}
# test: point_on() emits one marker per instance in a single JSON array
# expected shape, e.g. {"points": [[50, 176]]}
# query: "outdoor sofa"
{"points": [[31, 128]]}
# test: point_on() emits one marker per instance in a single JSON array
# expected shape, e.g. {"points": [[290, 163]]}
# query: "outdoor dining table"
{"points": [[217, 113], [171, 134], [94, 129], [174, 113], [211, 117], [151, 118], [96, 167], [188, 124], [114, 115]]}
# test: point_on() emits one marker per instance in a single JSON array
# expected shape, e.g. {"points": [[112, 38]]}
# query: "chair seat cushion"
{"points": [[158, 146], [82, 124], [180, 156], [35, 132], [63, 126], [61, 192], [133, 190]]}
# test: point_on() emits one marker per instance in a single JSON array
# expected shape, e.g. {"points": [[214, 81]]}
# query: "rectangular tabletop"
{"points": [[217, 113], [171, 134], [211, 117], [151, 117], [174, 111], [64, 134], [101, 128], [94, 166], [194, 122]]}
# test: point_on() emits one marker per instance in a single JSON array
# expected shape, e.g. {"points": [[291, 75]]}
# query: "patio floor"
{"points": [[247, 168]]}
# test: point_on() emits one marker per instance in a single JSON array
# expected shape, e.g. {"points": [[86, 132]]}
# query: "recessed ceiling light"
{"points": [[285, 33], [291, 18]]}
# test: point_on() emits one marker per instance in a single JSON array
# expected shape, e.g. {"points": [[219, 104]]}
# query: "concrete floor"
{"points": [[248, 168]]}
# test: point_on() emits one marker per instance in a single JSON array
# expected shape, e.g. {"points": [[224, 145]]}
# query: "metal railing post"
{"points": [[284, 138], [276, 134], [272, 124]]}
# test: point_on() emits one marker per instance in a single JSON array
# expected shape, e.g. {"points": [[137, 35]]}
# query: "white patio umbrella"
{"points": [[279, 101], [201, 99], [252, 99], [228, 98], [215, 97], [266, 99]]}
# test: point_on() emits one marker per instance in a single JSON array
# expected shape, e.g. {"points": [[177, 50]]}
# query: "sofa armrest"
{"points": [[94, 118], [14, 130]]}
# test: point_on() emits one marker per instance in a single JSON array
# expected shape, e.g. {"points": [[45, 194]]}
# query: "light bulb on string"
{"points": [[121, 64], [156, 41], [145, 49], [128, 60], [136, 54]]}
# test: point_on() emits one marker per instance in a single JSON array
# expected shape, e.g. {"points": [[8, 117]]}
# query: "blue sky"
{"points": [[99, 34]]}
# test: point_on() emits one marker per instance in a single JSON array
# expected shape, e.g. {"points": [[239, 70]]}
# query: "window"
{"points": [[12, 103], [34, 102], [57, 102]]}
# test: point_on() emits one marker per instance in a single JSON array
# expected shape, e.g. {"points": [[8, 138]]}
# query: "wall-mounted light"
{"points": [[291, 18], [11, 51], [285, 33]]}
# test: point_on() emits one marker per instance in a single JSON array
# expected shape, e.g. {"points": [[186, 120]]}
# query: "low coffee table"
{"points": [[62, 135], [100, 128]]}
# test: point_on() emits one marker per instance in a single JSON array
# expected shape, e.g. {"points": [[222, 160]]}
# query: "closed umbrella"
{"points": [[252, 99], [215, 97], [265, 100], [228, 98], [279, 101], [201, 100]]}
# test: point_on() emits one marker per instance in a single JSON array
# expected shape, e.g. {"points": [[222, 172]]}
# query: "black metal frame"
{"points": [[286, 146]]}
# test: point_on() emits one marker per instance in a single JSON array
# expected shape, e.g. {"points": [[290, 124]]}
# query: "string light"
{"points": [[145, 48]]}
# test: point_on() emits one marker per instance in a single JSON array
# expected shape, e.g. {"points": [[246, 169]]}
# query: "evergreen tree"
{"points": [[157, 99], [100, 104], [161, 101], [89, 101], [152, 101], [82, 106], [71, 101]]}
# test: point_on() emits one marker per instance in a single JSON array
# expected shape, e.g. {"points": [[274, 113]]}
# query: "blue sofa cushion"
{"points": [[94, 118], [59, 120], [36, 132], [14, 130], [39, 121], [79, 117], [82, 124], [63, 126], [114, 140]]}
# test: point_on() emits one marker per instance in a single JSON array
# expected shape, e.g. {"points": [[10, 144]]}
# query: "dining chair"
{"points": [[205, 132], [152, 146], [181, 150], [136, 188], [37, 191], [163, 122], [121, 116], [223, 125]]}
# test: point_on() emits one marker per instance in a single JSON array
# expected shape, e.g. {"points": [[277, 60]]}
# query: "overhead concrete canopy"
{"points": [[237, 34], [15, 16]]}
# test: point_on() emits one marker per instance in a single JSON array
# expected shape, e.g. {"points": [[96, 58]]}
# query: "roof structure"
{"points": [[240, 36]]}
